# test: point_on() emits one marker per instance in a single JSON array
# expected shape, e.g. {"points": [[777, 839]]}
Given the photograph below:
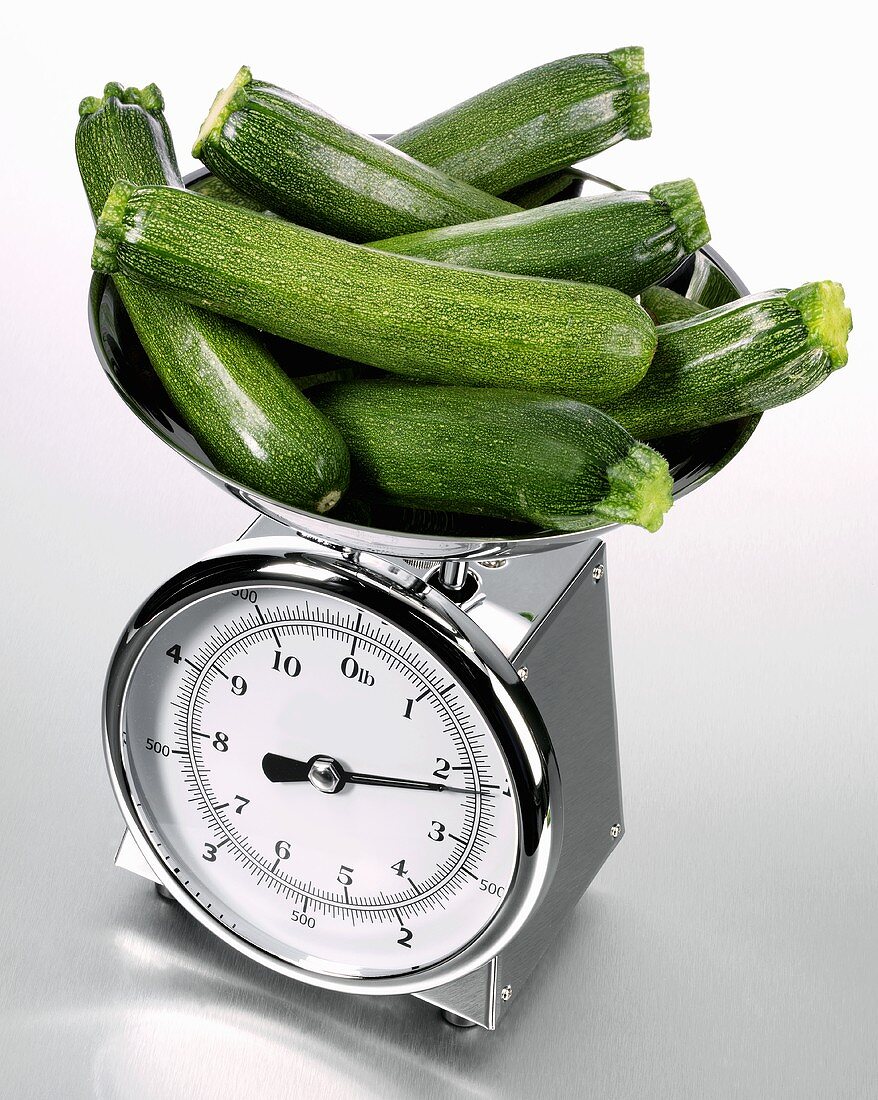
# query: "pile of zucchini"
{"points": [[480, 344]]}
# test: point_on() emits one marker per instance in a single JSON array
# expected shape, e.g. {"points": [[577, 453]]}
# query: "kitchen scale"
{"points": [[377, 761]]}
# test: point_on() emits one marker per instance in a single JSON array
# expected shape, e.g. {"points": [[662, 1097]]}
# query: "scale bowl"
{"points": [[694, 457]]}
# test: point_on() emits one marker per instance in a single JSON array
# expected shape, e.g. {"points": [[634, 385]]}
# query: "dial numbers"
{"points": [[332, 788]]}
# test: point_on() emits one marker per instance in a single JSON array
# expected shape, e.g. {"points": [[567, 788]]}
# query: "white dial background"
{"points": [[369, 880]]}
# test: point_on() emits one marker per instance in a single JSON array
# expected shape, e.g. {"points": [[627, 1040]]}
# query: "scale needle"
{"points": [[330, 776]]}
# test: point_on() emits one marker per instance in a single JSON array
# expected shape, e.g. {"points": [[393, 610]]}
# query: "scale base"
{"points": [[548, 615]]}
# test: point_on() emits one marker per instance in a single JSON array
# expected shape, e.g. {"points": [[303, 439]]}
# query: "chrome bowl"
{"points": [[694, 457]]}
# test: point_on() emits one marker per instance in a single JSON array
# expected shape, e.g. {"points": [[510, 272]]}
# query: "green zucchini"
{"points": [[551, 461], [624, 239], [251, 420], [539, 121], [738, 359], [665, 305], [404, 315], [566, 183], [303, 164]]}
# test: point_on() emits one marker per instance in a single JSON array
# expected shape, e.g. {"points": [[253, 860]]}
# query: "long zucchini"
{"points": [[247, 415], [301, 163], [738, 359], [408, 316], [549, 460], [538, 121], [624, 239]]}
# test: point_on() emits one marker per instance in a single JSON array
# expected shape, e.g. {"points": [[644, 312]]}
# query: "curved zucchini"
{"points": [[625, 239], [300, 162], [738, 359], [248, 416], [548, 460], [407, 316], [665, 305], [538, 121]]}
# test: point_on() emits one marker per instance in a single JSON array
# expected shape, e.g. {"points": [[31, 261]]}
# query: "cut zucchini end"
{"points": [[328, 501], [226, 102], [687, 210], [640, 489], [630, 60], [110, 227], [826, 317]]}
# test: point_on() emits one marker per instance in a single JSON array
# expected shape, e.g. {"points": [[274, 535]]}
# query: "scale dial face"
{"points": [[319, 782]]}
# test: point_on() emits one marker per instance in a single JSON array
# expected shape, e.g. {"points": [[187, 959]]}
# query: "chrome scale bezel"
{"points": [[453, 639]]}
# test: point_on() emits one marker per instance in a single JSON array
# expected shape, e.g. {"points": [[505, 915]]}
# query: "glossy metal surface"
{"points": [[546, 614], [694, 456], [566, 650], [418, 609]]}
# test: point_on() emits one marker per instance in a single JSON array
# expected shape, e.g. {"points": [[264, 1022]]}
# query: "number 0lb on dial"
{"points": [[319, 781]]}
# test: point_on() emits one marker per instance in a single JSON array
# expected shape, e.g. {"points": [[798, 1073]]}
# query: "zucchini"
{"points": [[566, 183], [738, 359], [300, 162], [539, 121], [624, 239], [250, 419], [407, 316], [665, 305], [551, 461]]}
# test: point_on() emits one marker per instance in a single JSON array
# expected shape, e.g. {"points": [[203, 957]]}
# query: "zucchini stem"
{"points": [[111, 227], [226, 103], [149, 98], [640, 489], [630, 60], [826, 318], [687, 211]]}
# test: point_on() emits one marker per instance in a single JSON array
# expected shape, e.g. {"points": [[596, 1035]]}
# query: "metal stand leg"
{"points": [[455, 1020]]}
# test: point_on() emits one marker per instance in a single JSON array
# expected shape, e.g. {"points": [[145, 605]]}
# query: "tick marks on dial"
{"points": [[447, 713], [355, 639]]}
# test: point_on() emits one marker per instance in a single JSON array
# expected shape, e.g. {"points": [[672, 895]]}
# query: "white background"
{"points": [[728, 948]]}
